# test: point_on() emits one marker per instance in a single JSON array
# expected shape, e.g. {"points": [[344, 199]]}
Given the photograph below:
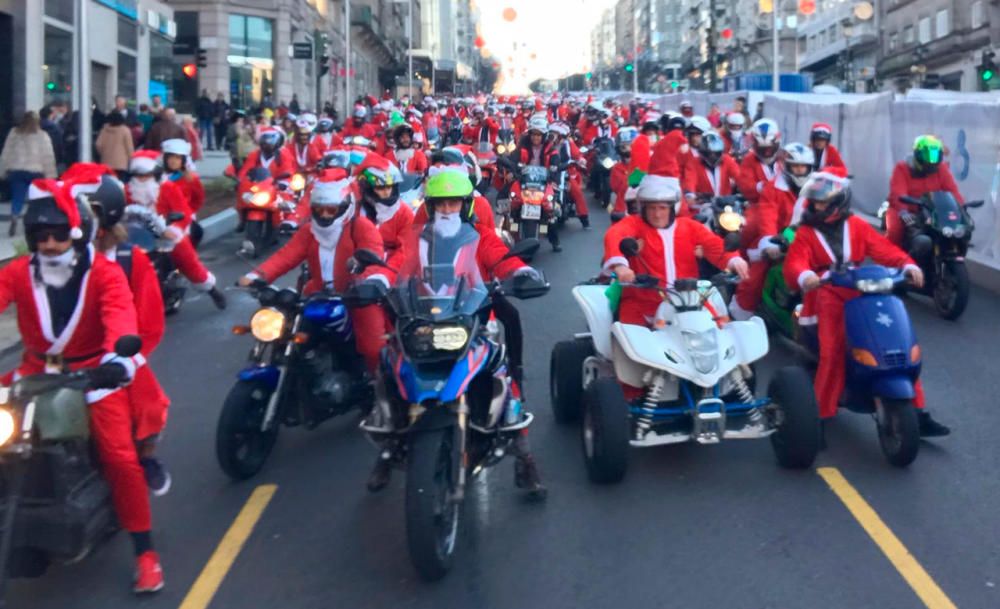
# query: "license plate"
{"points": [[531, 212], [513, 227], [543, 229]]}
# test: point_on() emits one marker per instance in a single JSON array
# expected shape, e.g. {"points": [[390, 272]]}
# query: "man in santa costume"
{"points": [[179, 168], [480, 128], [271, 154], [667, 246], [378, 181], [97, 185], [304, 149], [324, 138], [461, 158], [405, 155], [449, 208], [759, 166], [830, 236], [72, 306], [358, 126], [665, 155], [335, 232], [147, 190], [780, 206], [826, 153]]}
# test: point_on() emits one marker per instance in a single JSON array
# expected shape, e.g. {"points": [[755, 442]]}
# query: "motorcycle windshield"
{"points": [[945, 210], [440, 278], [534, 176], [258, 174]]}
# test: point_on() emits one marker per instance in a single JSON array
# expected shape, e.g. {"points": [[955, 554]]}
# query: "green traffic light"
{"points": [[987, 75], [628, 67], [51, 86], [589, 75]]}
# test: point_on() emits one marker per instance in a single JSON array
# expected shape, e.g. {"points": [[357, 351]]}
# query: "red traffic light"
{"points": [[190, 70], [727, 33], [807, 7]]}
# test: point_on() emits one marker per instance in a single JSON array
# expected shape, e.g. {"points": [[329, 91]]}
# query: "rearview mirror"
{"points": [[974, 204], [629, 246], [128, 345]]}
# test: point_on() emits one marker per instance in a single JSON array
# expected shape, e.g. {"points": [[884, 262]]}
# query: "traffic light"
{"points": [[629, 67], [190, 70], [674, 84], [588, 75], [987, 68], [51, 86], [202, 60]]}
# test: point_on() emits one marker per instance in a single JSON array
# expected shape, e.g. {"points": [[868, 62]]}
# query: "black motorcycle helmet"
{"points": [[106, 198], [44, 212], [711, 148], [324, 125], [830, 191], [399, 131], [671, 121]]}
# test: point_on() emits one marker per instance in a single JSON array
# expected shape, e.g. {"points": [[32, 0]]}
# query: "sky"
{"points": [[547, 38]]}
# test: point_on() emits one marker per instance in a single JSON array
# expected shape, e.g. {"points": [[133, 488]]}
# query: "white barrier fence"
{"points": [[875, 131]]}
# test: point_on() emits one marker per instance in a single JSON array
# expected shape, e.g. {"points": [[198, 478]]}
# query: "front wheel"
{"points": [[796, 416], [431, 513], [898, 432], [605, 431], [258, 232], [951, 291], [241, 446], [566, 378]]}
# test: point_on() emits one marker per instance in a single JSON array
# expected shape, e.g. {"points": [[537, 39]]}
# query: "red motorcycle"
{"points": [[531, 207], [258, 203]]}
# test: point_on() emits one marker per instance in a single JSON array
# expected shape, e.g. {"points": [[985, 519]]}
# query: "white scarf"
{"points": [[56, 271], [384, 213], [144, 192], [403, 155], [327, 237]]}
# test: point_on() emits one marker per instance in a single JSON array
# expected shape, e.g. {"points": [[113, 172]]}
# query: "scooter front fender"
{"points": [[268, 375], [893, 387]]}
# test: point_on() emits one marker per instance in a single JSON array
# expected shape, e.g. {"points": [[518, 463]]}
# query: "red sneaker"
{"points": [[148, 573]]}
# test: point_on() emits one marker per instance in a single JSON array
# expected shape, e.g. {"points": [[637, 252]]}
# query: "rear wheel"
{"points": [[241, 446], [796, 417], [566, 378], [431, 514], [951, 291], [898, 432], [605, 431]]}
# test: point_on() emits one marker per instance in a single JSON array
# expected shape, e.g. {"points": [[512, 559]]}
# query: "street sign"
{"points": [[302, 50]]}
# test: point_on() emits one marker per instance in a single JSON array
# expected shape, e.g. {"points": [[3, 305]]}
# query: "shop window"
{"points": [[58, 67], [128, 33], [127, 76]]}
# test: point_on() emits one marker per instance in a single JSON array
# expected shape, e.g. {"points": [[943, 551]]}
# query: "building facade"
{"points": [[130, 52], [448, 31], [839, 47]]}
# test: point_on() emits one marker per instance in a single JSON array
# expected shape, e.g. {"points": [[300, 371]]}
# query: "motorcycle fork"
{"points": [[16, 482], [462, 449], [272, 403]]}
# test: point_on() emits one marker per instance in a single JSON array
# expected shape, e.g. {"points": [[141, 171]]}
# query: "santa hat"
{"points": [[837, 174], [822, 128], [144, 162], [86, 172], [51, 189]]}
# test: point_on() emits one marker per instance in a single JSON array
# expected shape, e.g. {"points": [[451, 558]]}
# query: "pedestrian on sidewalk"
{"points": [[27, 155], [205, 111], [115, 146], [220, 118], [165, 128]]}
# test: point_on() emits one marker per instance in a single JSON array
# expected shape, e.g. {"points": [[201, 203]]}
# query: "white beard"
{"points": [[403, 155], [56, 271], [328, 237], [384, 213], [145, 192], [447, 225]]}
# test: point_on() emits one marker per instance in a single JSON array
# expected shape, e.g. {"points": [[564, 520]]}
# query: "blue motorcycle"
{"points": [[302, 370], [883, 358], [444, 405]]}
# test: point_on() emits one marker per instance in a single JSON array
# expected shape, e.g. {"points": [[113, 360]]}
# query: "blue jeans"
{"points": [[19, 183], [206, 132]]}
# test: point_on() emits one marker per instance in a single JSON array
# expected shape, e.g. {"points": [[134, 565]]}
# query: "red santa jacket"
{"points": [[327, 142], [619, 180], [717, 181], [811, 253], [480, 206], [663, 160], [393, 226], [641, 149], [590, 131], [485, 131], [754, 175], [366, 130], [171, 200], [903, 182], [359, 233], [306, 158], [777, 208], [417, 163], [104, 313], [829, 157], [282, 162], [194, 191], [668, 254]]}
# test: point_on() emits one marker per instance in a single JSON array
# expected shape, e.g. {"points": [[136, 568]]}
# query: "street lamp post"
{"points": [[85, 139], [347, 59]]}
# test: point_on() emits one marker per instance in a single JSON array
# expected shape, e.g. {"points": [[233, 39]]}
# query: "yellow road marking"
{"points": [[207, 584], [914, 574]]}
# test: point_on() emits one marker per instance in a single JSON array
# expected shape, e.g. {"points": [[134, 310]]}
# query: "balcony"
{"points": [[838, 46], [367, 29]]}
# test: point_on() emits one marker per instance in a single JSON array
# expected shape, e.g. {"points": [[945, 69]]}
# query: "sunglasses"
{"points": [[42, 234]]}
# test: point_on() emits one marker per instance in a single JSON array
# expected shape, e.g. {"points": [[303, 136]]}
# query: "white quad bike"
{"points": [[695, 370]]}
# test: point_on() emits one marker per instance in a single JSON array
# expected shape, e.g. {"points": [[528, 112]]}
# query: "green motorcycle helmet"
{"points": [[396, 119], [447, 185], [927, 153]]}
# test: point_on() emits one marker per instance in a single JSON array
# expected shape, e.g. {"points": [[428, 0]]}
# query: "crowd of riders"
{"points": [[83, 284]]}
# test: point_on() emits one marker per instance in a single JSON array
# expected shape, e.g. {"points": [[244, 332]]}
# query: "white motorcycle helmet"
{"points": [[797, 163], [659, 189], [701, 124], [766, 139], [538, 122]]}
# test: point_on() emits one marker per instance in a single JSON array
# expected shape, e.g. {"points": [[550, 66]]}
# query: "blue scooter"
{"points": [[883, 358]]}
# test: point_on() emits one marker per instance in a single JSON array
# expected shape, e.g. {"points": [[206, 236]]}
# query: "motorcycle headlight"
{"points": [[874, 286], [6, 426], [959, 232], [297, 183], [730, 221], [260, 199], [266, 325], [450, 338], [948, 231], [607, 163], [703, 348]]}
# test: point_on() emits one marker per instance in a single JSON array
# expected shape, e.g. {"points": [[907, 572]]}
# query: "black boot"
{"points": [[585, 221], [218, 298], [554, 240], [929, 428], [526, 477], [380, 476], [13, 226]]}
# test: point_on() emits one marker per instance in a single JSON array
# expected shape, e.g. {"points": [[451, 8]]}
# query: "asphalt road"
{"points": [[691, 526]]}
